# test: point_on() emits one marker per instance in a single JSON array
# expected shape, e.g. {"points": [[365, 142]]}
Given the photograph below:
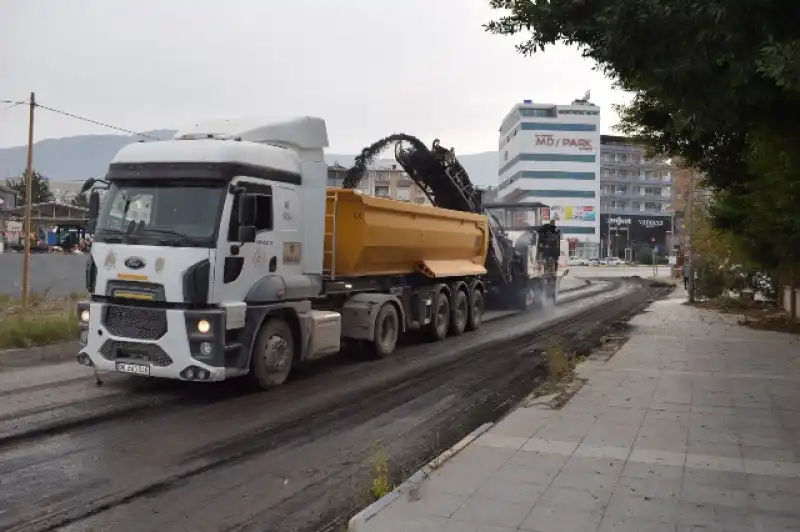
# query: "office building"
{"points": [[550, 154], [382, 181], [635, 199]]}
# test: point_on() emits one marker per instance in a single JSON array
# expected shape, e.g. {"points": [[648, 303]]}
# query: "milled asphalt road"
{"points": [[56, 274], [144, 455], [61, 275]]}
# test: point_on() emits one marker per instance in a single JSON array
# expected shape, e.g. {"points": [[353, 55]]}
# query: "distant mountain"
{"points": [[73, 159]]}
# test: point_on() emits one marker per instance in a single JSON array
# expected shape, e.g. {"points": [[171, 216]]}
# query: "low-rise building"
{"points": [[383, 181]]}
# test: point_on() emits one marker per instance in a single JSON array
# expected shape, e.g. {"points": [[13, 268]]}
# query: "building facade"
{"points": [[382, 181], [635, 199], [551, 154]]}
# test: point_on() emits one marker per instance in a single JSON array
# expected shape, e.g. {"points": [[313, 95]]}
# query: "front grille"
{"points": [[135, 322], [115, 350]]}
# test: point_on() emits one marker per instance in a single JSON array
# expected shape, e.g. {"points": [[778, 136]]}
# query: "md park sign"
{"points": [[554, 141], [627, 221]]}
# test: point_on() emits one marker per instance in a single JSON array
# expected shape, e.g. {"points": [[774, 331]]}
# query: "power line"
{"points": [[95, 122], [14, 103]]}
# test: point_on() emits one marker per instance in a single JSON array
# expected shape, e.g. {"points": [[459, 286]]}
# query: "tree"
{"points": [[40, 188], [81, 200], [720, 98]]}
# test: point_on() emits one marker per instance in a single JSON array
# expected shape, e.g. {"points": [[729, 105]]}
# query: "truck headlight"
{"points": [[203, 326], [84, 315]]}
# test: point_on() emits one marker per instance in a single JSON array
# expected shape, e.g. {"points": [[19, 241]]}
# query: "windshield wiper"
{"points": [[110, 235], [179, 239]]}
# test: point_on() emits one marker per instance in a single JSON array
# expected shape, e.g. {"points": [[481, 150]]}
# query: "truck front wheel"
{"points": [[273, 354], [440, 320]]}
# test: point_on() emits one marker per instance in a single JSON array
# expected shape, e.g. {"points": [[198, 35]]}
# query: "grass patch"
{"points": [[559, 363], [46, 321]]}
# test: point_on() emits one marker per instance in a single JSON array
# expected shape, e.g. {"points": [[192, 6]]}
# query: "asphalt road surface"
{"points": [[61, 275], [145, 455], [56, 274]]}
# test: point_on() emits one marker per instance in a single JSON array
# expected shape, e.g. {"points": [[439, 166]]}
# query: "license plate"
{"points": [[136, 369]]}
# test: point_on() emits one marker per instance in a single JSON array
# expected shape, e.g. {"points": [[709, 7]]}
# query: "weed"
{"points": [[558, 363], [381, 485]]}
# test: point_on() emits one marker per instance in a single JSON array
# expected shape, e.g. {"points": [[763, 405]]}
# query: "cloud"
{"points": [[369, 68]]}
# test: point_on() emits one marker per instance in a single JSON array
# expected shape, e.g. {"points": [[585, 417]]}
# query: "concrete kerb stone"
{"points": [[413, 484], [34, 356]]}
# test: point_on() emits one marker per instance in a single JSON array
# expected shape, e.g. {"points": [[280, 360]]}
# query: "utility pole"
{"points": [[28, 193], [690, 234]]}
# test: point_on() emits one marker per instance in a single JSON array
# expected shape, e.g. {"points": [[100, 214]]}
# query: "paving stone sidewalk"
{"points": [[692, 426]]}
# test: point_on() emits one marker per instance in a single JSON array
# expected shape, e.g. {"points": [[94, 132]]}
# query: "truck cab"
{"points": [[198, 241]]}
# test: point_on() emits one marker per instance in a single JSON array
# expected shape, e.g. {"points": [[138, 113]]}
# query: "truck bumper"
{"points": [[157, 342]]}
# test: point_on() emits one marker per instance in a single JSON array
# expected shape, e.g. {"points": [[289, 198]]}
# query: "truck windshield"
{"points": [[163, 213]]}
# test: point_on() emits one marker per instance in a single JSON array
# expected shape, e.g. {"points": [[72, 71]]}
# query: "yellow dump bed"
{"points": [[369, 236]]}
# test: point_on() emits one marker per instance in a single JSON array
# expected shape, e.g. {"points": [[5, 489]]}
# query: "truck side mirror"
{"points": [[94, 210], [247, 234], [94, 205]]}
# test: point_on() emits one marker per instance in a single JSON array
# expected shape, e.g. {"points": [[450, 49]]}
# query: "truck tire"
{"points": [[273, 354], [440, 321], [459, 313], [387, 331], [475, 318]]}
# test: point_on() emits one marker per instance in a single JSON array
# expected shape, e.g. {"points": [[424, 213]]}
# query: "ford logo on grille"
{"points": [[135, 263]]}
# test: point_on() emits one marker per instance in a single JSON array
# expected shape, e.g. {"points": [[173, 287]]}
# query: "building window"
{"points": [[382, 191], [404, 194]]}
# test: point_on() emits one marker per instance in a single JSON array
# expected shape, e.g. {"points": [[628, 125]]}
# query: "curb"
{"points": [[414, 482], [35, 356]]}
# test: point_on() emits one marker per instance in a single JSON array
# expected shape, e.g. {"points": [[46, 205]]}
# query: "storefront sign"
{"points": [[552, 141], [649, 222], [578, 213], [644, 222]]}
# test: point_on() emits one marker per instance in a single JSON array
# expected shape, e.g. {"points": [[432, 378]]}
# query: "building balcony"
{"points": [[628, 211], [636, 180]]}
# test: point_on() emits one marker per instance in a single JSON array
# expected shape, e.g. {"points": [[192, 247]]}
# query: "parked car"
{"points": [[614, 261], [575, 261], [593, 262]]}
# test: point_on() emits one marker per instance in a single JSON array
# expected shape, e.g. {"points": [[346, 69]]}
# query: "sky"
{"points": [[369, 67]]}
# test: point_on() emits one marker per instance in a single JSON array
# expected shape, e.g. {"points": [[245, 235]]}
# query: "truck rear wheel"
{"points": [[440, 320], [387, 331], [273, 354], [459, 314], [475, 318]]}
